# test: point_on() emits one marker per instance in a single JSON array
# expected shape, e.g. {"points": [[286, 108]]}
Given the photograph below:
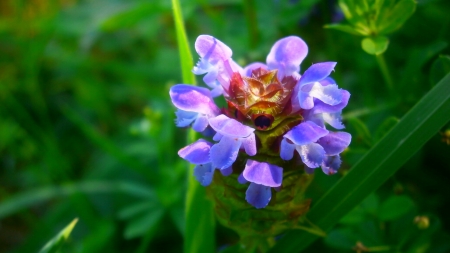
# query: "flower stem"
{"points": [[385, 72]]}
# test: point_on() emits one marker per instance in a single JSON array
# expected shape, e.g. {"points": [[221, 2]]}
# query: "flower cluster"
{"points": [[274, 115]]}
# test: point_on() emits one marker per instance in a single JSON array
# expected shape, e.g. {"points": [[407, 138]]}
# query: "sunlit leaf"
{"points": [[375, 45], [56, 243], [392, 19]]}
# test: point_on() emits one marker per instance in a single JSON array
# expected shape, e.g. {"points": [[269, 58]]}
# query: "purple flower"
{"points": [[195, 105], [266, 102]]}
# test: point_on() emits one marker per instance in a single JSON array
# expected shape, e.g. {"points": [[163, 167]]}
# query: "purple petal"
{"points": [[334, 119], [200, 124], [204, 173], [249, 144], [311, 154], [224, 153], [230, 127], [329, 94], [317, 72], [193, 99], [185, 118], [197, 152], [335, 143], [258, 195], [263, 173], [212, 48], [331, 164], [227, 171], [286, 55], [306, 132], [249, 68], [286, 150], [217, 137], [241, 179], [305, 100], [321, 107]]}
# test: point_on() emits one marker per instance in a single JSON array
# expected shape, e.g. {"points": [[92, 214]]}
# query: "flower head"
{"points": [[275, 120]]}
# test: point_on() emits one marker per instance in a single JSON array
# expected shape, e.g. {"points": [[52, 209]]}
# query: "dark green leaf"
{"points": [[362, 132], [384, 128], [394, 207], [440, 68]]}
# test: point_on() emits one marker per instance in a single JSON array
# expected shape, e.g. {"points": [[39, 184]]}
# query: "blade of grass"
{"points": [[199, 231], [55, 244], [380, 163]]}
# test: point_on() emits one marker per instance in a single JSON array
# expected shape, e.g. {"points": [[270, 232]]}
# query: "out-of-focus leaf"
{"points": [[362, 132], [384, 128], [440, 68], [394, 207], [146, 223], [375, 45], [381, 162], [343, 28], [343, 238], [392, 19], [55, 244]]}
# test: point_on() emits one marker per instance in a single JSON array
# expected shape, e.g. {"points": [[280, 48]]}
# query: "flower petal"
{"points": [[329, 94], [258, 195], [185, 118], [335, 142], [200, 124], [211, 48], [334, 119], [197, 152], [286, 55], [224, 153], [317, 72], [263, 173], [249, 144], [286, 150], [241, 179], [230, 127], [227, 171], [321, 107], [305, 133], [249, 68], [305, 100], [204, 173], [331, 164], [312, 154], [193, 99]]}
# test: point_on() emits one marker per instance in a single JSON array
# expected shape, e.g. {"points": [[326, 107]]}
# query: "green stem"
{"points": [[385, 71], [252, 24]]}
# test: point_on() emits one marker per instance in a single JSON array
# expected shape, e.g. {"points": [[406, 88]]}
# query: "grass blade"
{"points": [[380, 163], [199, 232]]}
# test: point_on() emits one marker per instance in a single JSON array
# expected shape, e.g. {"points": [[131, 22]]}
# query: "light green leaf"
{"points": [[55, 244], [343, 28], [381, 162], [375, 45], [394, 207], [392, 19]]}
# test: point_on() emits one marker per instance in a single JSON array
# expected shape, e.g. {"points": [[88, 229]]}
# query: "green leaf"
{"points": [[392, 19], [199, 233], [375, 45], [384, 128], [146, 223], [440, 68], [394, 207], [381, 162], [343, 28], [362, 132], [55, 244]]}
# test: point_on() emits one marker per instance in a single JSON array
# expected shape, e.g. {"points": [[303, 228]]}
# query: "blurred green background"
{"points": [[87, 126]]}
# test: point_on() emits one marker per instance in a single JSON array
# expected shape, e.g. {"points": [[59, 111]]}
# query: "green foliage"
{"points": [[55, 244], [87, 129]]}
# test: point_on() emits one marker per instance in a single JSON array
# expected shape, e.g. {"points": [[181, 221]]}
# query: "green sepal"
{"points": [[375, 45]]}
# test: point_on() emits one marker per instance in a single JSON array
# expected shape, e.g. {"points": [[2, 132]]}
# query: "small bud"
{"points": [[422, 222]]}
